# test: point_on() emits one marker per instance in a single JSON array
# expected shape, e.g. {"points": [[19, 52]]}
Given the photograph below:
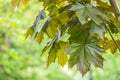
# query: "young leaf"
{"points": [[39, 37], [52, 29], [52, 54], [109, 44], [41, 15], [62, 58], [104, 6], [45, 24], [29, 32], [33, 29], [57, 51]]}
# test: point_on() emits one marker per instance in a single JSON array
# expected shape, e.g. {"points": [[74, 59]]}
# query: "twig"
{"points": [[117, 12], [113, 38]]}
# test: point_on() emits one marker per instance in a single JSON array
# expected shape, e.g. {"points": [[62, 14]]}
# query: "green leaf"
{"points": [[62, 58], [82, 24], [92, 13], [64, 8], [114, 28], [39, 37], [52, 42], [109, 44], [83, 54], [43, 28], [85, 13], [77, 6], [41, 15], [65, 37], [45, 25], [52, 29], [29, 32], [82, 15], [97, 29], [81, 12], [96, 15], [52, 54], [76, 33], [73, 22], [104, 5]]}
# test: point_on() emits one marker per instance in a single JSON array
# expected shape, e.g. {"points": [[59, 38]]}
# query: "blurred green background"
{"points": [[20, 59]]}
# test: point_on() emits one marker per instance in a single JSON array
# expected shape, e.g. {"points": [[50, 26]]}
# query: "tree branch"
{"points": [[117, 12], [116, 44]]}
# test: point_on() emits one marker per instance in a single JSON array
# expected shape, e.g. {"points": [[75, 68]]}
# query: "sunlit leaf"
{"points": [[52, 54], [52, 29], [64, 8], [65, 37], [110, 44], [62, 58], [40, 16], [104, 5], [45, 25], [39, 37], [29, 32]]}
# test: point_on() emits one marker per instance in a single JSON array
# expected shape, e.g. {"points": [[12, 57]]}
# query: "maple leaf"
{"points": [[62, 58], [52, 54], [97, 29], [39, 37], [109, 44], [57, 51], [84, 12], [29, 32], [83, 54], [34, 29], [80, 23]]}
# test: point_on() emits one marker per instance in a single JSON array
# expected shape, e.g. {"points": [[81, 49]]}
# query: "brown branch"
{"points": [[117, 12], [116, 44]]}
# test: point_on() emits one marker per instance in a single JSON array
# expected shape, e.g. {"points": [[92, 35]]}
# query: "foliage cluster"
{"points": [[18, 60], [78, 30]]}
